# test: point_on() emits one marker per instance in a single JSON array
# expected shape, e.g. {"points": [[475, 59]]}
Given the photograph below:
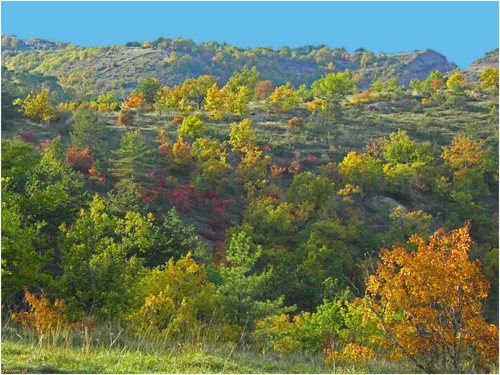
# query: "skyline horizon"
{"points": [[379, 27]]}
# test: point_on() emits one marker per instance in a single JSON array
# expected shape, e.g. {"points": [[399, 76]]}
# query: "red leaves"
{"points": [[177, 120], [29, 137], [80, 161], [183, 198]]}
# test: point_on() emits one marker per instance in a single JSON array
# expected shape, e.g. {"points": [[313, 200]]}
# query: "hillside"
{"points": [[490, 60], [198, 208], [118, 68]]}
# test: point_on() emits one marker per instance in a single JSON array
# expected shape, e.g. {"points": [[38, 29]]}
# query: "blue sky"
{"points": [[463, 31]]}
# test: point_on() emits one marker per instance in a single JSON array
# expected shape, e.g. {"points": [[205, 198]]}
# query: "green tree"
{"points": [[54, 194], [247, 77], [368, 58], [169, 238], [21, 263], [125, 198], [134, 162], [97, 274], [314, 190], [197, 89], [240, 288], [148, 87], [361, 170], [328, 247], [333, 86], [192, 126], [213, 174], [105, 103], [89, 133]]}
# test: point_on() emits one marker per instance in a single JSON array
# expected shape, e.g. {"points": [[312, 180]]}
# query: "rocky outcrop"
{"points": [[420, 64], [490, 60]]}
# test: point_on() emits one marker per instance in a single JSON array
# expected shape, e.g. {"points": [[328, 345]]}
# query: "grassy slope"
{"points": [[74, 353]]}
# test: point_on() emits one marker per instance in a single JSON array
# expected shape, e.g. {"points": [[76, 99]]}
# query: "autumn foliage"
{"points": [[428, 302], [80, 161], [43, 316]]}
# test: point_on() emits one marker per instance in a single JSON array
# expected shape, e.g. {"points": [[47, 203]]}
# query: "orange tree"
{"points": [[428, 303]]}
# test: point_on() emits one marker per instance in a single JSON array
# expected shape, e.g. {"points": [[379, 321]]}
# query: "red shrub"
{"points": [[29, 137], [177, 120], [80, 161], [309, 160], [183, 198]]}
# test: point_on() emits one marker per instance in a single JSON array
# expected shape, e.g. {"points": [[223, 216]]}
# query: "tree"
{"points": [[79, 161], [89, 133], [315, 190], [133, 101], [38, 107], [148, 88], [183, 155], [489, 79], [247, 77], [241, 135], [214, 102], [368, 58], [174, 298], [264, 89], [455, 81], [465, 155], [428, 303], [192, 126], [333, 86], [284, 98], [21, 263], [237, 102], [97, 274], [54, 194], [361, 170], [105, 103], [240, 287], [135, 162], [212, 175], [197, 89]]}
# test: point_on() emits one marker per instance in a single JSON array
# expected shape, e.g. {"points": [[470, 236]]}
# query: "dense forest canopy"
{"points": [[304, 200]]}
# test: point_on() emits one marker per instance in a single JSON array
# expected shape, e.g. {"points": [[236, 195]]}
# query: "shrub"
{"points": [[126, 117], [29, 137], [43, 316], [79, 161]]}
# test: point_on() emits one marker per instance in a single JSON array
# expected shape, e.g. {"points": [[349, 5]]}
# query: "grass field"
{"points": [[111, 350]]}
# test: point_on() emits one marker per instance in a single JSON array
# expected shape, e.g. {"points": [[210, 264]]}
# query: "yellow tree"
{"points": [[241, 135], [214, 102], [38, 107], [464, 155], [237, 102], [455, 80], [133, 101], [489, 78], [284, 98], [428, 303]]}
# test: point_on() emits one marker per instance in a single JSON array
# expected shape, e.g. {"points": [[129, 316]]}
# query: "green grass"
{"points": [[112, 350], [42, 358]]}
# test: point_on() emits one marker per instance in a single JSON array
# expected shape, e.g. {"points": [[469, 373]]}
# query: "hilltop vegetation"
{"points": [[90, 71], [223, 204]]}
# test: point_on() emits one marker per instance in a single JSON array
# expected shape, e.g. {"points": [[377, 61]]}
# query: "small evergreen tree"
{"points": [[135, 161]]}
